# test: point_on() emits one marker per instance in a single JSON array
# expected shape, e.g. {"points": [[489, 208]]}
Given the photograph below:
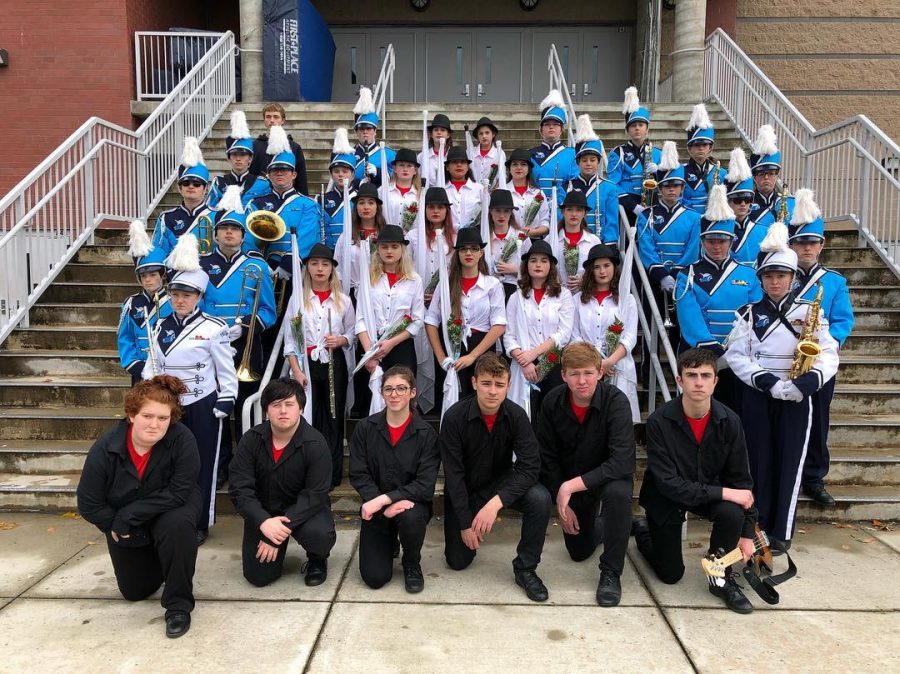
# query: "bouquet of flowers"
{"points": [[492, 176], [570, 255], [454, 333], [408, 217], [432, 283], [475, 220], [613, 336], [533, 209], [547, 361], [398, 327], [297, 331], [511, 245], [373, 244]]}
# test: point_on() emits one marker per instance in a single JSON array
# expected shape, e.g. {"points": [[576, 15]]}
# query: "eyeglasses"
{"points": [[398, 390], [192, 183], [470, 249]]}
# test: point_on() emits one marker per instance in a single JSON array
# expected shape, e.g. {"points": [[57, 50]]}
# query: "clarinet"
{"points": [[331, 403], [322, 214]]}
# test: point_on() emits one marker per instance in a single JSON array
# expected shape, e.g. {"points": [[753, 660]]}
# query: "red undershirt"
{"points": [[538, 294], [322, 295], [458, 184], [366, 233], [501, 236], [468, 283], [397, 431], [601, 295], [573, 237], [403, 190], [579, 412], [140, 462], [484, 153], [276, 453], [522, 189], [698, 426], [489, 421], [392, 278]]}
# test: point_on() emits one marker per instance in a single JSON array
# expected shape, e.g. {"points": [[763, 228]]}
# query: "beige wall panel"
{"points": [[818, 38], [830, 8], [823, 111], [833, 74]]}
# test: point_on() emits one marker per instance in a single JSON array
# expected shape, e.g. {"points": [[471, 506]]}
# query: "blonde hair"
{"points": [[405, 270], [334, 285]]}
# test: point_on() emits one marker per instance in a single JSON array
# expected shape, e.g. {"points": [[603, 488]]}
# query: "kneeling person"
{"points": [[587, 459], [696, 461], [479, 437], [279, 480]]}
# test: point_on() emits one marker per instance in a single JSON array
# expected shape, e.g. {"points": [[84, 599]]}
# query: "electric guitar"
{"points": [[715, 567]]}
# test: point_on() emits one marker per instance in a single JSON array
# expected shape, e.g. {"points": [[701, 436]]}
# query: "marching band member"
{"points": [[777, 407], [328, 323], [394, 459], [437, 216], [367, 151], [404, 190], [439, 128], [196, 348], [274, 115], [464, 193], [700, 170], [477, 310], [602, 195], [807, 239], [342, 166], [748, 235], [145, 309], [540, 317], [532, 206], [487, 158], [239, 153], [578, 240], [193, 179], [629, 163], [552, 160], [367, 221], [710, 290], [765, 164], [507, 240], [607, 319]]}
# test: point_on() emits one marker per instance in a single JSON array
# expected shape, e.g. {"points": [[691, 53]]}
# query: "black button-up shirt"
{"points": [[479, 464]]}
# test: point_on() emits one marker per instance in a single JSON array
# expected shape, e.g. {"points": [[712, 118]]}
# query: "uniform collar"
{"points": [[666, 209], [551, 146], [812, 270], [222, 254], [366, 148], [767, 200], [283, 197], [195, 212], [475, 410], [780, 306], [718, 265], [161, 294], [239, 179], [701, 169], [187, 319]]}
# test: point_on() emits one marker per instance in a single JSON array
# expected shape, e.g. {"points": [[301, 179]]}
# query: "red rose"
{"points": [[407, 317], [539, 197], [523, 236], [412, 208], [552, 357], [616, 328], [493, 166], [457, 321]]}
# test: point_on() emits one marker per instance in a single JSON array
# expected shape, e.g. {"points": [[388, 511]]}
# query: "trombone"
{"points": [[251, 274], [268, 226]]}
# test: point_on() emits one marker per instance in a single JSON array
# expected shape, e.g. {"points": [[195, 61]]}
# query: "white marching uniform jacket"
{"points": [[465, 202], [483, 307], [197, 351], [762, 343], [592, 320], [391, 304], [316, 327]]}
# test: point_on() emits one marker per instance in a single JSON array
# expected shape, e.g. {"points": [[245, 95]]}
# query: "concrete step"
{"points": [[874, 296], [866, 398], [81, 272], [76, 314], [35, 457], [59, 363], [40, 392], [865, 431], [73, 338], [865, 276], [859, 369], [858, 257], [89, 292], [104, 254], [64, 423], [881, 318], [871, 343]]}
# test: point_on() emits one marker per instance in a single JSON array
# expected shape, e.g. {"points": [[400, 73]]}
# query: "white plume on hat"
{"points": [[669, 159], [278, 141], [766, 141], [554, 99], [186, 255], [231, 200], [365, 104], [806, 210], [699, 118], [776, 240], [584, 130], [717, 208], [738, 168], [341, 142], [139, 243], [191, 155], [239, 128], [632, 102]]}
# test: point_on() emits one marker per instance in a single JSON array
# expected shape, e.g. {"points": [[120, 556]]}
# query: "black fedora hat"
{"points": [[519, 155], [575, 198], [469, 236], [367, 190], [436, 195], [486, 121], [321, 251], [440, 121], [600, 252], [458, 154], [407, 155], [540, 247], [501, 199], [392, 234]]}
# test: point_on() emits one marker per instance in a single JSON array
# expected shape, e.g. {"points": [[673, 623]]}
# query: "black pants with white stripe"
{"points": [[818, 457], [777, 433], [199, 417]]}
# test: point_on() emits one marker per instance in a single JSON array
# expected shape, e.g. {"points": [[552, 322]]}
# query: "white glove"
{"points": [[667, 284], [447, 363], [652, 167], [777, 390], [235, 331], [791, 393], [219, 414], [371, 169], [282, 273], [637, 210]]}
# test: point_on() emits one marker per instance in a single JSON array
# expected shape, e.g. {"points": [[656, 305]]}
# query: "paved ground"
{"points": [[60, 611]]}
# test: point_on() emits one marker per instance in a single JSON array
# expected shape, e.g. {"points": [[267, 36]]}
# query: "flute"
{"points": [[331, 403]]}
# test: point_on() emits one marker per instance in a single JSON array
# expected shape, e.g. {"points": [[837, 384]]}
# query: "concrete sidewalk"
{"points": [[60, 611]]}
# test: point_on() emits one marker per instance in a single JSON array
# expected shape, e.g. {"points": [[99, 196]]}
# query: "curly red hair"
{"points": [[164, 389]]}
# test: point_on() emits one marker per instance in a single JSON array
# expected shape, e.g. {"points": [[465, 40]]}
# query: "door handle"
{"points": [[572, 92], [587, 89], [480, 89], [465, 92]]}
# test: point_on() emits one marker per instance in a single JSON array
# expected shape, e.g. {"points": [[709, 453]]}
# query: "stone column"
{"points": [[251, 51], [687, 57]]}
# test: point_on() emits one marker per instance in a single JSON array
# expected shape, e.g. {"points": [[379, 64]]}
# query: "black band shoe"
{"points": [[202, 535], [731, 594], [316, 570], [534, 587], [177, 624], [609, 589], [413, 578], [820, 496]]}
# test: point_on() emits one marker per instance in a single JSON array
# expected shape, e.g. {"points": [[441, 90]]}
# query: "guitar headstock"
{"points": [[713, 567]]}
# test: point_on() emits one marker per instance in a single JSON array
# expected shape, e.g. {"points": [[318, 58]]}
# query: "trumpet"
{"points": [[205, 234], [252, 273], [648, 185]]}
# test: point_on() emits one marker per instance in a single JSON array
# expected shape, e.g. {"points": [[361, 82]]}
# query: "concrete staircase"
{"points": [[61, 386]]}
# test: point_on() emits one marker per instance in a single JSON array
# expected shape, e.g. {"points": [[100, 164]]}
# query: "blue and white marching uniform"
{"points": [[668, 239], [372, 155], [252, 186], [176, 222], [602, 206], [333, 207], [137, 310], [299, 212], [225, 279], [748, 235], [556, 160], [698, 181], [764, 209], [626, 168]]}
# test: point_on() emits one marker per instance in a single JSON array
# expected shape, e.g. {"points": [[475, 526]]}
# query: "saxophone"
{"points": [[808, 348], [648, 185]]}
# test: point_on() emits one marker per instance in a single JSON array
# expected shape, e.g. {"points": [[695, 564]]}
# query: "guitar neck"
{"points": [[732, 557]]}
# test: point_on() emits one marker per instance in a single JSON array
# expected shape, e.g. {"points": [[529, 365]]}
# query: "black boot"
{"points": [[316, 569], [731, 593]]}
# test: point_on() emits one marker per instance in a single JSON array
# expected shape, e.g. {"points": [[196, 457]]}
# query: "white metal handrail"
{"points": [[163, 58], [384, 87], [101, 172], [851, 165], [558, 81]]}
